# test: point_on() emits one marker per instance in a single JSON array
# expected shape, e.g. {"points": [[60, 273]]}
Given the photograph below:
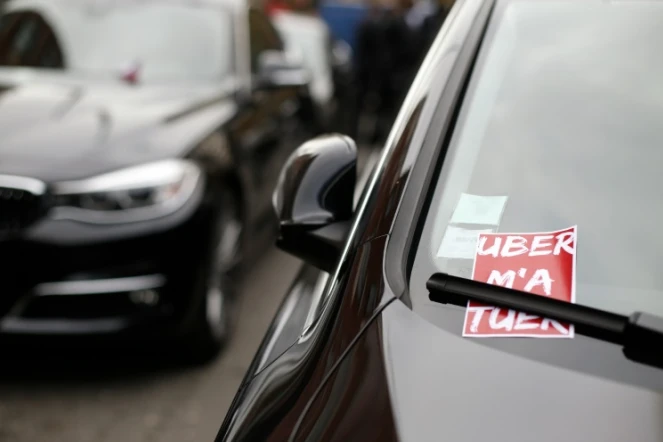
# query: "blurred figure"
{"points": [[419, 20], [432, 24], [419, 12], [386, 59], [274, 6], [403, 52], [308, 7], [370, 66]]}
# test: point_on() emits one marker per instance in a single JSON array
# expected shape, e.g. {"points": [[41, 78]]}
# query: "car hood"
{"points": [[59, 126], [444, 387]]}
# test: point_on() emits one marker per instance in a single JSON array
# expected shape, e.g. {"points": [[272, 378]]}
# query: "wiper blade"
{"points": [[640, 334]]}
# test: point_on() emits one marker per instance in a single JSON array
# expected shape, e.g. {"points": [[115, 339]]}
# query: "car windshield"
{"points": [[559, 128], [169, 40], [561, 125]]}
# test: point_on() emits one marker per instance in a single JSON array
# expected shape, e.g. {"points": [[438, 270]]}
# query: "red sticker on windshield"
{"points": [[539, 263]]}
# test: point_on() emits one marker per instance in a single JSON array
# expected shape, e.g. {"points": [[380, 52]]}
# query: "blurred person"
{"points": [[308, 7], [387, 59], [373, 68], [420, 10], [432, 24], [367, 39], [274, 6], [416, 18], [401, 52]]}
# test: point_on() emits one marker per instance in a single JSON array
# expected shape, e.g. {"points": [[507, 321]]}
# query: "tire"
{"points": [[214, 318]]}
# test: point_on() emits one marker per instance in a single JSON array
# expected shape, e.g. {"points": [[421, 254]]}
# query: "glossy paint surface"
{"points": [[372, 369], [307, 192], [331, 383]]}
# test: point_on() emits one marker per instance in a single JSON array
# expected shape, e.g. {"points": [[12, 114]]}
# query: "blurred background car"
{"points": [[329, 60], [137, 164]]}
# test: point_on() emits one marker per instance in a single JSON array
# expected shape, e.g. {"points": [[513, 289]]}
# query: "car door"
{"points": [[267, 122]]}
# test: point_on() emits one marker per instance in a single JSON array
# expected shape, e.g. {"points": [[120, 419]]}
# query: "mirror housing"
{"points": [[314, 198], [277, 69]]}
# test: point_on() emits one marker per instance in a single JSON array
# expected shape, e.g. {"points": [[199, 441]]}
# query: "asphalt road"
{"points": [[125, 398]]}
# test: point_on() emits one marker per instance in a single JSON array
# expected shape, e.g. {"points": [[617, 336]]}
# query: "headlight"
{"points": [[133, 194]]}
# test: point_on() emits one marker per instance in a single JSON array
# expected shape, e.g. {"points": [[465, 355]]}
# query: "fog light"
{"points": [[145, 297]]}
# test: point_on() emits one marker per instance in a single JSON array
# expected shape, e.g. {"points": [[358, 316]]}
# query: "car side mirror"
{"points": [[277, 69], [314, 199]]}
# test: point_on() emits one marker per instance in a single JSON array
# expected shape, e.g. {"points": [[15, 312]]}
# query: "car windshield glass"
{"points": [[562, 118], [168, 40], [560, 123]]}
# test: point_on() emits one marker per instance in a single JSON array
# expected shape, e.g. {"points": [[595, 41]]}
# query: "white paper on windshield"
{"points": [[477, 209], [459, 243]]}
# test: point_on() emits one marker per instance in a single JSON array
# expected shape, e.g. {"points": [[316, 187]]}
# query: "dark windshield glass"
{"points": [[559, 128]]}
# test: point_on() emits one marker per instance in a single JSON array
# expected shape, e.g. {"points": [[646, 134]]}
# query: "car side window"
{"points": [[18, 40], [50, 56], [263, 36], [27, 40], [9, 24], [6, 22]]}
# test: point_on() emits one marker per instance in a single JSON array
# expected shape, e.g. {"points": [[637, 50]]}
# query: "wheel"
{"points": [[214, 319]]}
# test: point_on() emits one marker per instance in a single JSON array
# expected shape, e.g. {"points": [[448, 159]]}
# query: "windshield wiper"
{"points": [[640, 334]]}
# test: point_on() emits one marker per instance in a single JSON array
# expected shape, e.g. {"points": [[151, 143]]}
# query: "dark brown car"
{"points": [[550, 107]]}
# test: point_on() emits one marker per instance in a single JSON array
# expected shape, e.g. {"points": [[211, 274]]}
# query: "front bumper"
{"points": [[141, 281]]}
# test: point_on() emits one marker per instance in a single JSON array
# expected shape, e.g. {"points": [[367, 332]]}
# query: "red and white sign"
{"points": [[540, 263]]}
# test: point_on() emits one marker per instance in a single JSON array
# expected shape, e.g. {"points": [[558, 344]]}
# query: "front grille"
{"points": [[18, 209]]}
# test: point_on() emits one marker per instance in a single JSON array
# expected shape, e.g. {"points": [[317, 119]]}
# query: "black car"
{"points": [[140, 144], [535, 123]]}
